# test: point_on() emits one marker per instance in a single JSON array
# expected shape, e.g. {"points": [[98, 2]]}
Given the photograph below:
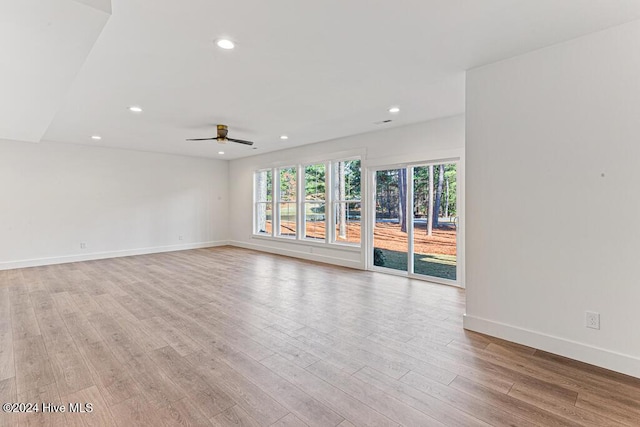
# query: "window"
{"points": [[287, 206], [327, 210], [314, 202], [264, 202], [346, 201]]}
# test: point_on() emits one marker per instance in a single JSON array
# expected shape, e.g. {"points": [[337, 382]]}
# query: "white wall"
{"points": [[553, 156], [437, 139], [55, 196]]}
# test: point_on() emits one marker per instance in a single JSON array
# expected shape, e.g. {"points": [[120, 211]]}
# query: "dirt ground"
{"points": [[442, 241], [389, 236]]}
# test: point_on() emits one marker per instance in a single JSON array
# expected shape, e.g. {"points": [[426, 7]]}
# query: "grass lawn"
{"points": [[443, 266]]}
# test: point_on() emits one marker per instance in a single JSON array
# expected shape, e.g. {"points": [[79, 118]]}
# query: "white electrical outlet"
{"points": [[179, 237], [592, 320]]}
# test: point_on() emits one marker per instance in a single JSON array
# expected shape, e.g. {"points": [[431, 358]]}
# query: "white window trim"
{"points": [[256, 203], [278, 201], [304, 201], [334, 203], [329, 241]]}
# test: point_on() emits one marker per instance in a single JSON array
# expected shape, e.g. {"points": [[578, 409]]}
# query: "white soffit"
{"points": [[44, 45]]}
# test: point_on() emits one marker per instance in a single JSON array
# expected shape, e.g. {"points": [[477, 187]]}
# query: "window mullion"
{"points": [[273, 202], [276, 198], [327, 202], [300, 203]]}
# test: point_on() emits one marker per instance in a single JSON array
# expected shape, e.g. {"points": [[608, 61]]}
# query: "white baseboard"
{"points": [[607, 359], [297, 254], [9, 265]]}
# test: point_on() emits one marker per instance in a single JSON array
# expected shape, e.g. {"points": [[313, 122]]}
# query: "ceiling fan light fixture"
{"points": [[225, 44]]}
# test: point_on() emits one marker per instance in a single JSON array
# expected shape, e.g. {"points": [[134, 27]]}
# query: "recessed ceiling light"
{"points": [[284, 137], [220, 152], [394, 109], [96, 137], [135, 109], [225, 44]]}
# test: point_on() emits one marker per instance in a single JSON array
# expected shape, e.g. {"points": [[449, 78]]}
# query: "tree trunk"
{"points": [[430, 207], [402, 199], [342, 224], [446, 199], [389, 211], [436, 205]]}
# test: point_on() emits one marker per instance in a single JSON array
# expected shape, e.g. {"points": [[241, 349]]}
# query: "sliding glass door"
{"points": [[415, 230]]}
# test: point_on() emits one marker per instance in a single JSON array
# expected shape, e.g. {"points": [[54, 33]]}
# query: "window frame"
{"points": [[278, 203], [256, 203], [305, 202], [336, 202], [301, 203]]}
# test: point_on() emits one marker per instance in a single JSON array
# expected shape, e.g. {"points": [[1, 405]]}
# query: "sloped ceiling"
{"points": [[44, 45], [313, 70]]}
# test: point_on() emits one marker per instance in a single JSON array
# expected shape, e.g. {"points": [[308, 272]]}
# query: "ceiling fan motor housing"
{"points": [[222, 132]]}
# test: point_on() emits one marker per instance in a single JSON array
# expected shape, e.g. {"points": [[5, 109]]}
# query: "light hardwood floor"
{"points": [[227, 336]]}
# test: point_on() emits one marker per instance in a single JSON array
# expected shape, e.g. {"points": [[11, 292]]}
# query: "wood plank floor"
{"points": [[231, 337]]}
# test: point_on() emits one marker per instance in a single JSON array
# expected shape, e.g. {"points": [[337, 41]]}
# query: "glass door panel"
{"points": [[435, 221], [390, 241]]}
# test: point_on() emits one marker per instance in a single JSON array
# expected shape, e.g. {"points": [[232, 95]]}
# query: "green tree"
{"points": [[288, 184], [450, 199], [315, 182], [346, 183]]}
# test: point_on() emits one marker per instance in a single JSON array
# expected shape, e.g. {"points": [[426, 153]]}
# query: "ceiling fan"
{"points": [[222, 137]]}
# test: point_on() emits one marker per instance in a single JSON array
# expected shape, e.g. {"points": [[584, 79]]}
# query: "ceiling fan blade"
{"points": [[240, 141], [202, 139]]}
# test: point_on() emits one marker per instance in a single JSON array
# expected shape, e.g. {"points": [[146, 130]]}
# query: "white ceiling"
{"points": [[311, 70], [43, 46]]}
